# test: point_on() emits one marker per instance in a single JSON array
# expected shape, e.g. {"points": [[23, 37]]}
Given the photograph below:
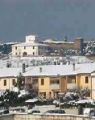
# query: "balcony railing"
{"points": [[71, 86], [54, 86]]}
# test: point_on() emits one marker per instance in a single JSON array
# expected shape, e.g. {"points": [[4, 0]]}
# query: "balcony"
{"points": [[71, 86], [54, 86], [35, 86]]}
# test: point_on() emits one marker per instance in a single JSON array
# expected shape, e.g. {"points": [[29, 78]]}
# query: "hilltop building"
{"points": [[59, 47], [31, 47]]}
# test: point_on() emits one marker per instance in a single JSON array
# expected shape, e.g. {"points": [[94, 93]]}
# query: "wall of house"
{"points": [[9, 83], [71, 82], [83, 83], [63, 84], [44, 88], [51, 90], [93, 87], [21, 49]]}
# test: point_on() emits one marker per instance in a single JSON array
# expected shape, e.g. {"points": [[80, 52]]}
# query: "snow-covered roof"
{"points": [[48, 41], [87, 68], [60, 70], [23, 93], [93, 74], [49, 70], [81, 59], [57, 41], [10, 72], [31, 100], [29, 44]]}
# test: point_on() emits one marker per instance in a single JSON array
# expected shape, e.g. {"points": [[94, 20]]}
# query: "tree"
{"points": [[10, 98], [20, 81]]}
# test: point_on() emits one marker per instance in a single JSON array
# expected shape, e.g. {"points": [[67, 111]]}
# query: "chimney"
{"points": [[23, 68], [74, 66], [40, 69]]}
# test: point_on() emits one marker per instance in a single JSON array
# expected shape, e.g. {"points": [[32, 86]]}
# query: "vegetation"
{"points": [[5, 48], [20, 81]]}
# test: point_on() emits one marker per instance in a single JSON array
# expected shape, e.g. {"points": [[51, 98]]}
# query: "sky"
{"points": [[47, 19]]}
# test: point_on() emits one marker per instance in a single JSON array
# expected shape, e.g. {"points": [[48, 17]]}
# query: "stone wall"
{"points": [[6, 117], [44, 117], [51, 117]]}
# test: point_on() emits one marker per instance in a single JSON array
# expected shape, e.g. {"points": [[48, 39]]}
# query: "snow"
{"points": [[89, 111], [22, 93], [29, 44], [85, 101], [6, 72], [15, 89], [47, 70], [31, 100], [60, 70], [56, 102]]}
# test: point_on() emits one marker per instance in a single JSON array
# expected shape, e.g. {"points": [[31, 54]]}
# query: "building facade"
{"points": [[31, 47], [47, 81], [51, 81], [93, 85], [7, 83]]}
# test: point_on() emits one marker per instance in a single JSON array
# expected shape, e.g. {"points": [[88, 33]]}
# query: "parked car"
{"points": [[17, 110], [89, 111], [23, 110], [5, 111], [31, 111]]}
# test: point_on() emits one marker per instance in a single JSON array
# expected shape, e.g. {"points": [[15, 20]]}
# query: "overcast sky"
{"points": [[47, 19]]}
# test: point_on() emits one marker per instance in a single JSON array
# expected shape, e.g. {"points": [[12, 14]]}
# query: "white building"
{"points": [[31, 47]]}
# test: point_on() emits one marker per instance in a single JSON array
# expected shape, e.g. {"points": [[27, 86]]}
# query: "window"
{"points": [[5, 82], [54, 81], [42, 81], [71, 81], [33, 47], [86, 79], [33, 53], [16, 47], [35, 81], [16, 53], [13, 81], [57, 82], [24, 47]]}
